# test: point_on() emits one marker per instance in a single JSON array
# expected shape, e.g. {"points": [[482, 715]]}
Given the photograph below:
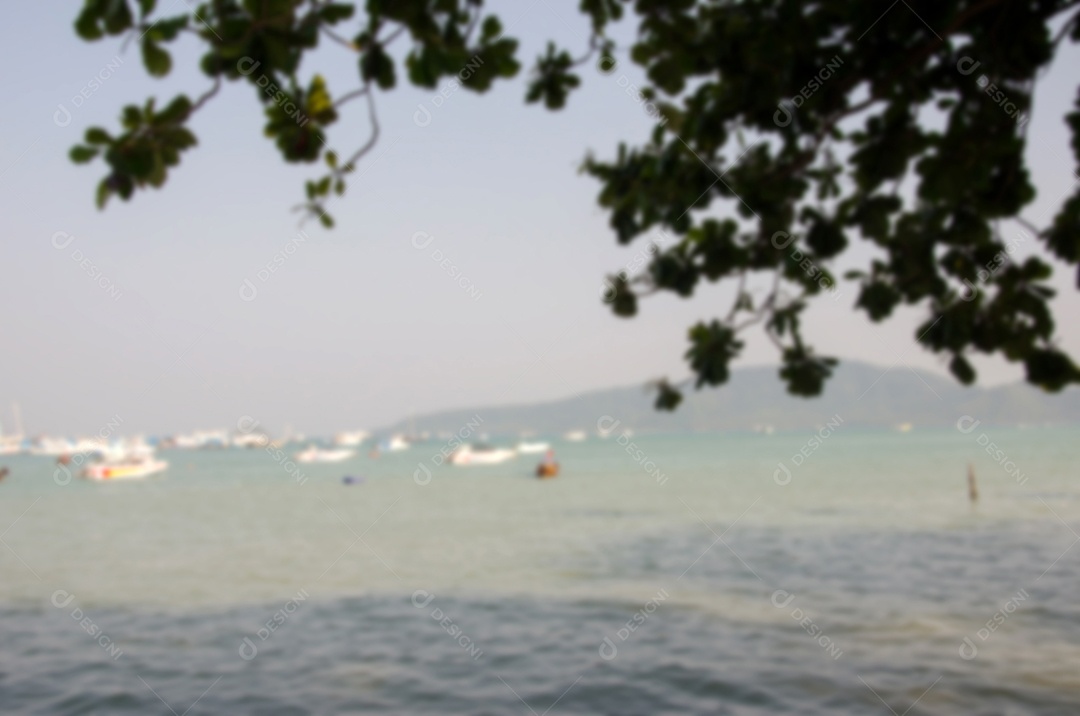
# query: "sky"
{"points": [[365, 324]]}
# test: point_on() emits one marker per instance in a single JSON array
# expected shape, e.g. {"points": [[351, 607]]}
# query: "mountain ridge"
{"points": [[861, 394]]}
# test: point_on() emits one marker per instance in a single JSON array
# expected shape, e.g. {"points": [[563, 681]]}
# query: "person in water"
{"points": [[548, 468]]}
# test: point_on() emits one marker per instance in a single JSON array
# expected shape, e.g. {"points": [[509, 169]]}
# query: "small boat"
{"points": [[254, 439], [53, 447], [201, 439], [396, 443], [532, 448], [575, 436], [125, 469], [351, 438], [314, 454], [480, 455], [548, 468]]}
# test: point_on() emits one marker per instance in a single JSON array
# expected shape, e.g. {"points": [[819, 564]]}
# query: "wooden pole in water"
{"points": [[973, 491]]}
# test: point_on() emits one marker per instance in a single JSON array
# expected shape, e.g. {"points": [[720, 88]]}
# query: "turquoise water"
{"points": [[674, 576]]}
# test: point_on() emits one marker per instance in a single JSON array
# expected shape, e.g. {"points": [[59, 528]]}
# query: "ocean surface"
{"points": [[818, 572]]}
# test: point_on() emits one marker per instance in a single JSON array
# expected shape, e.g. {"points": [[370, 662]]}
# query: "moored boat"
{"points": [[395, 443], [548, 467], [547, 470], [125, 469], [351, 438], [314, 454], [480, 455]]}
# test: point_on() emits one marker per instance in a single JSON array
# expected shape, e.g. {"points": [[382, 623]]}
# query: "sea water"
{"points": [[829, 571]]}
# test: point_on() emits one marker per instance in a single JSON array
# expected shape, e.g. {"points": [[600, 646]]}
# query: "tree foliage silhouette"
{"points": [[804, 126]]}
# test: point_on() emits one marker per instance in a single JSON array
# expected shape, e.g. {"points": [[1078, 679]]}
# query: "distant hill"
{"points": [[861, 394]]}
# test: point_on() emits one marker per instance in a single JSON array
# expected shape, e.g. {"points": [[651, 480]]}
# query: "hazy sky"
{"points": [[358, 327]]}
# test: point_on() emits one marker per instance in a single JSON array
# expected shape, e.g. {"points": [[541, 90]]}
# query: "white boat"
{"points": [[396, 443], [250, 440], [314, 454], [52, 447], [126, 469], [201, 439], [575, 436], [532, 448], [478, 455], [128, 455], [351, 439]]}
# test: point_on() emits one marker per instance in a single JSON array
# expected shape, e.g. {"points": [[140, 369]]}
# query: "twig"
{"points": [[393, 36], [592, 51], [205, 97], [351, 96], [338, 38], [374, 130], [1028, 225], [738, 296]]}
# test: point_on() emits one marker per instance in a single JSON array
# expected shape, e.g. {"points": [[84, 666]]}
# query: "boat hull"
{"points": [[547, 470], [478, 457], [324, 456], [108, 472]]}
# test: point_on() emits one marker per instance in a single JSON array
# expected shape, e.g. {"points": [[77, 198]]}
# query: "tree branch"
{"points": [[1028, 225], [206, 97], [374, 130], [351, 96], [738, 297], [338, 38]]}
